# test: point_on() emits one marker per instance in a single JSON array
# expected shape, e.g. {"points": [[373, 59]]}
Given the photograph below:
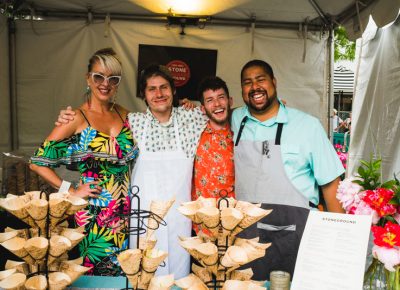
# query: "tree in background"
{"points": [[344, 48]]}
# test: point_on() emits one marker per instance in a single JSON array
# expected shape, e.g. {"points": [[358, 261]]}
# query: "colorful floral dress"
{"points": [[106, 159]]}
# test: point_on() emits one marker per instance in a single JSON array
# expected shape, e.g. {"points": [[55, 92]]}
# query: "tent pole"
{"points": [[330, 81], [13, 84]]}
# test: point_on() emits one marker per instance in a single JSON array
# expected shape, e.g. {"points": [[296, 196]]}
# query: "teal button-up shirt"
{"points": [[308, 156]]}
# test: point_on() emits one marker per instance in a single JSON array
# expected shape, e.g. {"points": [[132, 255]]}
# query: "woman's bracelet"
{"points": [[65, 185]]}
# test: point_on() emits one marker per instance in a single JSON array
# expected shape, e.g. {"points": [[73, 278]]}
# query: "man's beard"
{"points": [[268, 102], [217, 121]]}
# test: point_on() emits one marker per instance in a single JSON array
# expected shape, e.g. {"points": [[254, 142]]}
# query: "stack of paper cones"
{"points": [[38, 282], [147, 243], [77, 204], [58, 246], [162, 282], [190, 245], [38, 209], [58, 207], [191, 282], [206, 202], [202, 273], [189, 209], [73, 270], [58, 280], [230, 218], [8, 235], [242, 275], [74, 235], [35, 195], [151, 260], [130, 263], [241, 285], [253, 249], [16, 206], [34, 209], [209, 217], [4, 274], [244, 205], [160, 209], [37, 248], [234, 257], [20, 267], [16, 246], [228, 202], [252, 214], [15, 281], [207, 254]]}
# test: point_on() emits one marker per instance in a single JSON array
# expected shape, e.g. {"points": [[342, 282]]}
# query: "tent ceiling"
{"points": [[238, 12]]}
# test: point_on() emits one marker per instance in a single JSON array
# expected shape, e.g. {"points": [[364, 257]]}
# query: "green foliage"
{"points": [[344, 49], [369, 177], [369, 172]]}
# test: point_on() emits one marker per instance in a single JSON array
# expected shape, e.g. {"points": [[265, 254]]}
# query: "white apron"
{"points": [[161, 176]]}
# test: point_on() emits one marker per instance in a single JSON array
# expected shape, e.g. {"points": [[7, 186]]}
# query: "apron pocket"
{"points": [[283, 251]]}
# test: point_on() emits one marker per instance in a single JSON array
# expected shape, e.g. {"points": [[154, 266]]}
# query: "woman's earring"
{"points": [[87, 95]]}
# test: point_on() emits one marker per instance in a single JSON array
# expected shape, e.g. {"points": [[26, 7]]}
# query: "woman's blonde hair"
{"points": [[108, 59]]}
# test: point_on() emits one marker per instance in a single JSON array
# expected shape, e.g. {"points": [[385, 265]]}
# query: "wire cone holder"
{"points": [[43, 247], [217, 249], [141, 263]]}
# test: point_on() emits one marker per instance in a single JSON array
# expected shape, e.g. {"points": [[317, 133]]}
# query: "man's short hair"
{"points": [[211, 83], [155, 70], [260, 63]]}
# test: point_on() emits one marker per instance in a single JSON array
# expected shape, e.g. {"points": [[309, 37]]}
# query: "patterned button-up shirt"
{"points": [[161, 136], [214, 168]]}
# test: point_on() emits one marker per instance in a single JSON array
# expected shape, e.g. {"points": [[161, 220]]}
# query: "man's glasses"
{"points": [[99, 79]]}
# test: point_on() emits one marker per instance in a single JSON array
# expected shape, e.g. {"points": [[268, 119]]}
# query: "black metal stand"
{"points": [[140, 226], [43, 268], [215, 283]]}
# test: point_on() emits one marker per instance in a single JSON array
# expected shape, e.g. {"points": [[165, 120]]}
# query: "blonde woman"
{"points": [[99, 142]]}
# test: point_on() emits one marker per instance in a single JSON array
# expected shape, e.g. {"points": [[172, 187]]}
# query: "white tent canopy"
{"points": [[376, 105], [51, 55]]}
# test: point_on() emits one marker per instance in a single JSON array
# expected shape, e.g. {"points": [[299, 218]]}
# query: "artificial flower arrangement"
{"points": [[367, 194]]}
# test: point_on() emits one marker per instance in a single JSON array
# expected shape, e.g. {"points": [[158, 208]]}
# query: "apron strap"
{"points": [[278, 134], [241, 130]]}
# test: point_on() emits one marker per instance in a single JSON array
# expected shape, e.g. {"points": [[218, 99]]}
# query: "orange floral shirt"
{"points": [[214, 169]]}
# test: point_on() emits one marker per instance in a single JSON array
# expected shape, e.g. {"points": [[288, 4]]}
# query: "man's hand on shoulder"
{"points": [[187, 104], [65, 116]]}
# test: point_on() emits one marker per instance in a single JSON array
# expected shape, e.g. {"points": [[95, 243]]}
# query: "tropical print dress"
{"points": [[106, 159]]}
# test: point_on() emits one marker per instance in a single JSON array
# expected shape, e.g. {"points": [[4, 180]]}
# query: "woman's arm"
{"points": [[50, 176]]}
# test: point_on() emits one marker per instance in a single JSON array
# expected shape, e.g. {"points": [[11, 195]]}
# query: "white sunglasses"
{"points": [[98, 78]]}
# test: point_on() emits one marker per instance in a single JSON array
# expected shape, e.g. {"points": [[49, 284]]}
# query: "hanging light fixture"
{"points": [[184, 20]]}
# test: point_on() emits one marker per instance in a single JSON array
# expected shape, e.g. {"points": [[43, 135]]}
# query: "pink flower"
{"points": [[397, 218], [389, 257], [338, 146], [378, 197], [348, 193], [362, 208]]}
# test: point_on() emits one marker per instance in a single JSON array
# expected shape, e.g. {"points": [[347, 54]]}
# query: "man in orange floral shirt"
{"points": [[214, 170]]}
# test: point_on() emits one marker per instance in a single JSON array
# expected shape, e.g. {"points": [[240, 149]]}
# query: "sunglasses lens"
{"points": [[114, 80], [98, 78]]}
